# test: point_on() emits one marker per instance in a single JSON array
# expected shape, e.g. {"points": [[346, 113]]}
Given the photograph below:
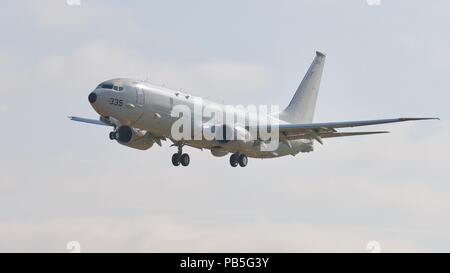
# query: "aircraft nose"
{"points": [[92, 97]]}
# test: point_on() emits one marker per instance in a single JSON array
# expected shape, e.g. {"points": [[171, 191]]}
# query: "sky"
{"points": [[62, 182]]}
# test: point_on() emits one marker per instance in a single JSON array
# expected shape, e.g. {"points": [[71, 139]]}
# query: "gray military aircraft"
{"points": [[142, 114]]}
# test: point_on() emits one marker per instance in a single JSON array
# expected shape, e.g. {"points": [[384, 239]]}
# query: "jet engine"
{"points": [[134, 138]]}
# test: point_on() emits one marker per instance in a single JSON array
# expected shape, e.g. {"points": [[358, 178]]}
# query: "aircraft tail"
{"points": [[303, 104]]}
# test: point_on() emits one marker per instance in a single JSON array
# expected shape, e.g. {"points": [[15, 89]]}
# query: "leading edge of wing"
{"points": [[90, 121], [346, 124]]}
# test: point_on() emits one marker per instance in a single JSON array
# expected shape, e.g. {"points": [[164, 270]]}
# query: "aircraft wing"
{"points": [[318, 131], [100, 121], [321, 135], [344, 124]]}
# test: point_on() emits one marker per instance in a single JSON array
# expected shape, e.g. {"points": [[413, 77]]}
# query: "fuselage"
{"points": [[149, 107], [143, 114]]}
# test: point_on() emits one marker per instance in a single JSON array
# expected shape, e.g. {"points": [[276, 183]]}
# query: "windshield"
{"points": [[110, 86], [106, 86]]}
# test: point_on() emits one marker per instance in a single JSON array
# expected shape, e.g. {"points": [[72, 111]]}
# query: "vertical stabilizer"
{"points": [[303, 104]]}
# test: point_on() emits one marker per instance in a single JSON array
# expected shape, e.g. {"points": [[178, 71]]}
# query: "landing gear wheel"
{"points": [[185, 160], [180, 158], [243, 160], [176, 160], [234, 160], [113, 135]]}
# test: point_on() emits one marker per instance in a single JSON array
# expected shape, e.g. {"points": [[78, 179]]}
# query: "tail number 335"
{"points": [[116, 102]]}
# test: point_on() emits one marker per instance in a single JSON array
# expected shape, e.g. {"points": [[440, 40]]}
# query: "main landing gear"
{"points": [[180, 158], [238, 159]]}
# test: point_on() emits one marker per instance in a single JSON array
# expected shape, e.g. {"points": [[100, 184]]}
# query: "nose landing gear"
{"points": [[238, 159], [113, 135]]}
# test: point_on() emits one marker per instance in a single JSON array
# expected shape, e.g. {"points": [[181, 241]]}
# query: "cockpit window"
{"points": [[110, 86], [118, 88], [105, 86]]}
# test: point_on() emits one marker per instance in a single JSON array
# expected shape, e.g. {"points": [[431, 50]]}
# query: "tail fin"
{"points": [[302, 106]]}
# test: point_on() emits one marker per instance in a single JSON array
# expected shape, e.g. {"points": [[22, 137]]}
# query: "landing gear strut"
{"points": [[180, 158], [238, 159]]}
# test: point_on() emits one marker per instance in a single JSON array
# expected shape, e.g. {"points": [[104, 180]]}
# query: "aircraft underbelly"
{"points": [[254, 151]]}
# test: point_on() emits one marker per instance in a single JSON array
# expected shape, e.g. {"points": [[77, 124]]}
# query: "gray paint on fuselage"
{"points": [[155, 117]]}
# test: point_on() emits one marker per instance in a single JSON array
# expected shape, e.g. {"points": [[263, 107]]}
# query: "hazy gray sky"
{"points": [[61, 181]]}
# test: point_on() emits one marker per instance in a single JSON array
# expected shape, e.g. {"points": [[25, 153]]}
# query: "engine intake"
{"points": [[134, 138], [125, 134]]}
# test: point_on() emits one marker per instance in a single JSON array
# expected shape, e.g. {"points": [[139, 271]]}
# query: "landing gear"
{"points": [[243, 161], [234, 160], [113, 135], [185, 160], [176, 160], [238, 159], [180, 158]]}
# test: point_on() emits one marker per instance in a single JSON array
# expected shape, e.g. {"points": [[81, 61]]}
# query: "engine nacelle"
{"points": [[218, 152], [134, 138]]}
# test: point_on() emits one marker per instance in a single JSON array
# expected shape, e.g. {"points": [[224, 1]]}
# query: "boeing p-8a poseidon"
{"points": [[143, 114]]}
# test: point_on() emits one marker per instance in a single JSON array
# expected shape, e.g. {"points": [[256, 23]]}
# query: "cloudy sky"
{"points": [[61, 181]]}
